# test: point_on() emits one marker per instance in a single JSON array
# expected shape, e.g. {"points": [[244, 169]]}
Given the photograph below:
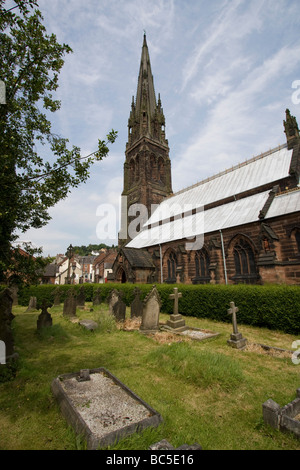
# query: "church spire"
{"points": [[146, 116], [147, 167]]}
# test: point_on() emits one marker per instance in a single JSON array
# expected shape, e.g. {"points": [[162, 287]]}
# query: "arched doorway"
{"points": [[121, 275], [123, 278]]}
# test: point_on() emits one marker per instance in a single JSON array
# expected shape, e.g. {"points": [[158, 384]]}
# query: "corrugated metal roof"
{"points": [[265, 169], [286, 203], [235, 213]]}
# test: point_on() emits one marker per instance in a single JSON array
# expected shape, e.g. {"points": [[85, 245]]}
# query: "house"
{"points": [[103, 265]]}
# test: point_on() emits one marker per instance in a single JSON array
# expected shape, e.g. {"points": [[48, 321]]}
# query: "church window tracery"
{"points": [[244, 261], [171, 265], [202, 262]]}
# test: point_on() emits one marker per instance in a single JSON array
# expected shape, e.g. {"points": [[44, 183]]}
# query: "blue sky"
{"points": [[225, 71]]}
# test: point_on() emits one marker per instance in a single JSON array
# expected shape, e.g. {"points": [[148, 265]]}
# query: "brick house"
{"points": [[239, 226], [102, 265]]}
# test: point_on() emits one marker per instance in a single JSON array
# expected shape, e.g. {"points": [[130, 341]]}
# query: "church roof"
{"points": [[138, 258], [240, 212], [188, 213], [285, 203], [263, 170]]}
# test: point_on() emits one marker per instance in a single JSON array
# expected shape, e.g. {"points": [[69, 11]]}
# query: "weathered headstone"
{"points": [[56, 297], [44, 319], [151, 311], [236, 339], [70, 304], [32, 304], [6, 317], [112, 299], [14, 293], [81, 297], [97, 298], [116, 305], [136, 306], [176, 321]]}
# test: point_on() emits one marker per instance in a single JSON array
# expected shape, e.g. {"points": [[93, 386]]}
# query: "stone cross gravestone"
{"points": [[6, 317], [70, 304], [44, 319], [32, 304], [236, 339], [136, 306], [151, 311], [176, 321]]}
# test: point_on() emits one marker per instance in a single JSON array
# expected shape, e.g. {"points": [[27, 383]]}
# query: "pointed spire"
{"points": [[145, 97], [146, 116]]}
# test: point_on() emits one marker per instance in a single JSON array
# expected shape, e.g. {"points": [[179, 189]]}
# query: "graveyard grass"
{"points": [[205, 391]]}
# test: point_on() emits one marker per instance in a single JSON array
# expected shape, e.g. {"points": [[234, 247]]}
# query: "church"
{"points": [[239, 226]]}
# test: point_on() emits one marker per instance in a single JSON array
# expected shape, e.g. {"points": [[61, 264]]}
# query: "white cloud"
{"points": [[224, 70]]}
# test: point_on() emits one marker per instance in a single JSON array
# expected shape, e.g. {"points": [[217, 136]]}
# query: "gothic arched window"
{"points": [[153, 167], [201, 267], [161, 170], [244, 261], [172, 265], [131, 171], [137, 168], [297, 238]]}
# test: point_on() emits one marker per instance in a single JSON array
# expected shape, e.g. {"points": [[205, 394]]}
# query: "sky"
{"points": [[226, 71]]}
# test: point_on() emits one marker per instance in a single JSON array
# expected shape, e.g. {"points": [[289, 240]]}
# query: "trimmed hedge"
{"points": [[271, 306]]}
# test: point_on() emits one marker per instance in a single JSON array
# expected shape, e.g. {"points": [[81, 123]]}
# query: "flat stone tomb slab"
{"points": [[102, 409], [193, 333]]}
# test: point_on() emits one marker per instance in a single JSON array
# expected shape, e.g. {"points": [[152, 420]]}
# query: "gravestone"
{"points": [[97, 298], [70, 304], [116, 305], [32, 304], [81, 297], [112, 299], [236, 339], [14, 292], [6, 317], [56, 297], [44, 319], [151, 311], [136, 306], [176, 321]]}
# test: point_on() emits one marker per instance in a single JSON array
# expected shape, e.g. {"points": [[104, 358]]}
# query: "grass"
{"points": [[205, 391]]}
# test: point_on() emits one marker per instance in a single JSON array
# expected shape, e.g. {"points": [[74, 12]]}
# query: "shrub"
{"points": [[271, 306]]}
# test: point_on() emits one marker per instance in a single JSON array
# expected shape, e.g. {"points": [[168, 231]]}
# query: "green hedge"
{"points": [[271, 306]]}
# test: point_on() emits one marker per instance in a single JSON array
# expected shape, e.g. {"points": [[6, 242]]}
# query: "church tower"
{"points": [[147, 167]]}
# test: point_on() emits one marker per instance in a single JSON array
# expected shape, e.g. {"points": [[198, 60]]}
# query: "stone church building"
{"points": [[239, 226]]}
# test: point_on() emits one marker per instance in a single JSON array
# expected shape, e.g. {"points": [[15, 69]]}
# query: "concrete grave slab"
{"points": [[197, 334], [89, 324], [100, 407]]}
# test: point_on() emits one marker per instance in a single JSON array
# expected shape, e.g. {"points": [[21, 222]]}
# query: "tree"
{"points": [[30, 62]]}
